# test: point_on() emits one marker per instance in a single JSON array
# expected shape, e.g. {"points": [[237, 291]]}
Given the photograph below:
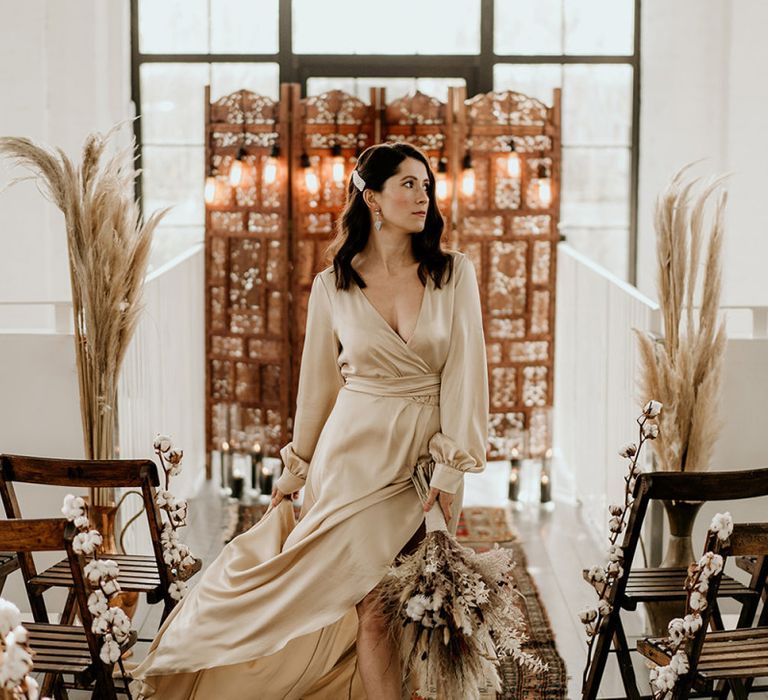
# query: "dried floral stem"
{"points": [[605, 577], [684, 371], [108, 254]]}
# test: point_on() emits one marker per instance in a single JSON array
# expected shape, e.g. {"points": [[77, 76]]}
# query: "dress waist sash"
{"points": [[411, 387]]}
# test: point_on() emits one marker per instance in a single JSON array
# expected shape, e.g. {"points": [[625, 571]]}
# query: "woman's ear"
{"points": [[369, 198]]}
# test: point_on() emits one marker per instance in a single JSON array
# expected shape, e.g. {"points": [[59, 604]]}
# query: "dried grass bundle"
{"points": [[109, 249], [683, 371], [452, 612]]}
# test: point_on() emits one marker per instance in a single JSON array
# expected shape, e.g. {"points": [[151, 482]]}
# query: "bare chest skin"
{"points": [[397, 298]]}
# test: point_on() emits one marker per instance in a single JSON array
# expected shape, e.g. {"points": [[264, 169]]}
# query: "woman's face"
{"points": [[404, 199]]}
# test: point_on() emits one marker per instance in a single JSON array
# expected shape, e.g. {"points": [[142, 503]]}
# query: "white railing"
{"points": [[162, 382], [596, 366]]}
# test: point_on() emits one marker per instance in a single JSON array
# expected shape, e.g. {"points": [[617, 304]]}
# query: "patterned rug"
{"points": [[479, 528]]}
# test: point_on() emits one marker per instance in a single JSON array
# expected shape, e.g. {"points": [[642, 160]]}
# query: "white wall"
{"points": [[65, 73], [39, 415], [704, 95]]}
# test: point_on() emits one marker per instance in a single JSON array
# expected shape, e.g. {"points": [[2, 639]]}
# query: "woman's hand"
{"points": [[278, 495], [445, 500]]}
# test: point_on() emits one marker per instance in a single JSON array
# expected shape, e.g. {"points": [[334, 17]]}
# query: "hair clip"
{"points": [[358, 180]]}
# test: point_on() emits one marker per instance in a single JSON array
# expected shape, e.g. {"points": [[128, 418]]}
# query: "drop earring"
{"points": [[379, 221]]}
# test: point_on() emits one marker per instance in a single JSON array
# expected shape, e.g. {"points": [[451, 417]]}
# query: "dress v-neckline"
{"points": [[386, 323]]}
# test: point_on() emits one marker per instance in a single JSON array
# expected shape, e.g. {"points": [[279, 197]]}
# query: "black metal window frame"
{"points": [[475, 69]]}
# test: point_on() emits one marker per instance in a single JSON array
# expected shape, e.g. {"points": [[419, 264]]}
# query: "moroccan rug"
{"points": [[479, 528]]}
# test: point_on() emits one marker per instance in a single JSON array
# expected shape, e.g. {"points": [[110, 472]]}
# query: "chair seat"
{"points": [[726, 654], [62, 648], [138, 573], [645, 585], [8, 563]]}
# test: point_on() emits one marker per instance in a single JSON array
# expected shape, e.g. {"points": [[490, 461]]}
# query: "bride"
{"points": [[393, 368]]}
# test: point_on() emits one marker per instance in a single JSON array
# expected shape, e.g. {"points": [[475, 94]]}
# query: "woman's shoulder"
{"points": [[460, 263], [327, 279]]}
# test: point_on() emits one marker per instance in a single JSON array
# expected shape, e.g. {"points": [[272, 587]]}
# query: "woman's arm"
{"points": [[319, 383], [460, 446]]}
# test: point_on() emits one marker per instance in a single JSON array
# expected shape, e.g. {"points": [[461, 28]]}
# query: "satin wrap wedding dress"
{"points": [[273, 617]]}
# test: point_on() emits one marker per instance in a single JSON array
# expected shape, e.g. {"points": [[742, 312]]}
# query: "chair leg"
{"points": [[70, 608], [2, 583], [599, 657], [168, 605], [104, 688], [625, 662], [59, 691]]}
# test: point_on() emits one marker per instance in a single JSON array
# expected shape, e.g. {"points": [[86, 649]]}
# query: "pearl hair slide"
{"points": [[358, 180]]}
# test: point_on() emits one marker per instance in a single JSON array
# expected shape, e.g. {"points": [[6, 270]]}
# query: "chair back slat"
{"points": [[707, 486], [43, 535], [121, 473], [749, 539]]}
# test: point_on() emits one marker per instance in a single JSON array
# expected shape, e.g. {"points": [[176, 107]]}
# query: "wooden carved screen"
{"points": [[508, 227], [247, 281], [329, 130]]}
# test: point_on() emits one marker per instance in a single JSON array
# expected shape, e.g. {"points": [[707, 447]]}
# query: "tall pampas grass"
{"points": [[683, 371], [109, 247]]}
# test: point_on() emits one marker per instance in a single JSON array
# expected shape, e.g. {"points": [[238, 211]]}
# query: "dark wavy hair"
{"points": [[377, 164]]}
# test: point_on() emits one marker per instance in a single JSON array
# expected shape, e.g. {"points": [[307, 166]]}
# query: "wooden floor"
{"points": [[555, 539]]}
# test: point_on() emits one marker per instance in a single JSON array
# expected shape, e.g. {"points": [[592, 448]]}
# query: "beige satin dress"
{"points": [[274, 616]]}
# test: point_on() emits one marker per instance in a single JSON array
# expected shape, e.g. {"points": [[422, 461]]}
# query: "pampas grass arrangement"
{"points": [[109, 249], [683, 371], [452, 612]]}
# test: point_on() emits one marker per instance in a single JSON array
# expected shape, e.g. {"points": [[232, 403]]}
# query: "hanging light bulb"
{"points": [[441, 181], [270, 167], [210, 189], [513, 161], [468, 176], [337, 164], [544, 186], [238, 169], [310, 178]]}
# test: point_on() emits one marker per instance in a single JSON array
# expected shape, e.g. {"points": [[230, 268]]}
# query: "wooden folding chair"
{"points": [[62, 650], [733, 657], [138, 572], [641, 585], [9, 562]]}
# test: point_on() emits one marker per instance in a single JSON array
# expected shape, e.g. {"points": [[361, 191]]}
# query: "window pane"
{"points": [[395, 87], [597, 105], [261, 78], [595, 189], [170, 241], [173, 26], [173, 176], [173, 102], [528, 27], [608, 247], [599, 26], [244, 26], [396, 27], [534, 80]]}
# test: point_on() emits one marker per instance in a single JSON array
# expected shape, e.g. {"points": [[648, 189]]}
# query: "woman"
{"points": [[393, 368]]}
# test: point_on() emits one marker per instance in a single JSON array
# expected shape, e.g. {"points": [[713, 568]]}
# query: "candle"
{"points": [[514, 478], [546, 489], [256, 458], [265, 480], [546, 479], [237, 484], [226, 464]]}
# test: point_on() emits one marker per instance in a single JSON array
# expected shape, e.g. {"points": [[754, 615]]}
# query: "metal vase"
{"points": [[681, 516]]}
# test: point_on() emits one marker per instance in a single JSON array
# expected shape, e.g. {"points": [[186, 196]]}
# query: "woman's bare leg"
{"points": [[377, 657]]}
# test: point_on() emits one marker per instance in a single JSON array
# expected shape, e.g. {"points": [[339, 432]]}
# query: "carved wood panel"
{"points": [[508, 227], [247, 280]]}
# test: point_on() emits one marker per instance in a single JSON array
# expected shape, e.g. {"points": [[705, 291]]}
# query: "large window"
{"points": [[589, 48]]}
